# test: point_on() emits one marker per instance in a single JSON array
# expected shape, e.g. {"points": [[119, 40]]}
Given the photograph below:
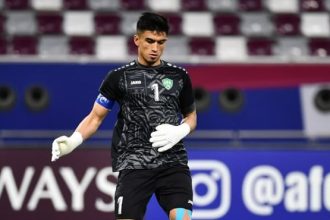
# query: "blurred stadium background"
{"points": [[261, 77]]}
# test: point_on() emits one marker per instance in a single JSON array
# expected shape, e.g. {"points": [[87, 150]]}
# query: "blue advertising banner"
{"points": [[228, 184], [75, 87], [258, 184]]}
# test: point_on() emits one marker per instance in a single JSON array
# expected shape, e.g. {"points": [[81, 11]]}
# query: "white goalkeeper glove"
{"points": [[166, 135], [64, 145]]}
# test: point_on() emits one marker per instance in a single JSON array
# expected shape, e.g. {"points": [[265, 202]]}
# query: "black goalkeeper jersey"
{"points": [[147, 96]]}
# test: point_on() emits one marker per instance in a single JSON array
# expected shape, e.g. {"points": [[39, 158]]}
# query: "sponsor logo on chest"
{"points": [[136, 82]]}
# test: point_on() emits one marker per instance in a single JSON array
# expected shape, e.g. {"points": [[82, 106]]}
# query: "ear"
{"points": [[136, 40]]}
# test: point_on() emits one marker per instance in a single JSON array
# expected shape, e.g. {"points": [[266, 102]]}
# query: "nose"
{"points": [[154, 47]]}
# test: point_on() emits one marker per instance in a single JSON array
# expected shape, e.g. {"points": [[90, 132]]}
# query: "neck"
{"points": [[146, 63]]}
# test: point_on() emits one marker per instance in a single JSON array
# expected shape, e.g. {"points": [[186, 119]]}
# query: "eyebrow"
{"points": [[151, 39]]}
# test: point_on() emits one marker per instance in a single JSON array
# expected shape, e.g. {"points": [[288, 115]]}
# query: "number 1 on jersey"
{"points": [[154, 87], [120, 205]]}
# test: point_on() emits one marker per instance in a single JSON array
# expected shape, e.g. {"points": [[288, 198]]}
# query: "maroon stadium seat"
{"points": [[319, 46], [175, 22], [287, 24], [49, 23], [107, 23], [193, 5], [251, 5], [131, 47], [17, 4], [2, 23], [311, 5], [260, 46], [202, 46], [3, 46], [79, 45], [75, 4], [226, 24], [133, 5], [24, 45]]}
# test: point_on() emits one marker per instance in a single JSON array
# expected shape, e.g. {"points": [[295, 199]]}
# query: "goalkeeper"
{"points": [[157, 111]]}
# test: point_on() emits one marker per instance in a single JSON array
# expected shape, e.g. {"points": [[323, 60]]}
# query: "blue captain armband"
{"points": [[106, 103]]}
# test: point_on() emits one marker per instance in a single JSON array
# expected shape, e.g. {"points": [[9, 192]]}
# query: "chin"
{"points": [[152, 61]]}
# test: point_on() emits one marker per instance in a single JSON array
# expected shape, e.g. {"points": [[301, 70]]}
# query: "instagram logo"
{"points": [[212, 188]]}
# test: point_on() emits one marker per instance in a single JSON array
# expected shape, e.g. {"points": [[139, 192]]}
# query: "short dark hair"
{"points": [[152, 22]]}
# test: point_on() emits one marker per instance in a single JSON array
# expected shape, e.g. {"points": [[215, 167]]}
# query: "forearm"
{"points": [[88, 126]]}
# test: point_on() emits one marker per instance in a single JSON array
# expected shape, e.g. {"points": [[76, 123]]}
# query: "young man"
{"points": [[157, 110]]}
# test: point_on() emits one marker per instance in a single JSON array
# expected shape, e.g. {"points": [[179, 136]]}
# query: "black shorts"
{"points": [[171, 185]]}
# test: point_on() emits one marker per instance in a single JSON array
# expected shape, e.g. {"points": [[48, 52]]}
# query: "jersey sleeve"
{"points": [[187, 101], [110, 86]]}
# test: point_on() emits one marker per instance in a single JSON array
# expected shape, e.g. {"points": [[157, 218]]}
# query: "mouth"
{"points": [[153, 56]]}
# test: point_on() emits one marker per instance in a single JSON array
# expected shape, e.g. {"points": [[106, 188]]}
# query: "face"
{"points": [[150, 45]]}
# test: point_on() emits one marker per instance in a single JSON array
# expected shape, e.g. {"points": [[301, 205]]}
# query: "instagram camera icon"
{"points": [[211, 182]]}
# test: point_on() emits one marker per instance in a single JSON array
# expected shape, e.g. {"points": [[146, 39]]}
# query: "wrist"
{"points": [[185, 128], [76, 139]]}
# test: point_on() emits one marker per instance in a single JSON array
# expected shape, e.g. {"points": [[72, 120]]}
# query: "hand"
{"points": [[166, 135], [64, 145]]}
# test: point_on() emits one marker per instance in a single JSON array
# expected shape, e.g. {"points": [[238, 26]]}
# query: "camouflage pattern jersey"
{"points": [[147, 96]]}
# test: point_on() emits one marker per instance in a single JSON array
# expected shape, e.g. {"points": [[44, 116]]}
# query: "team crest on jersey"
{"points": [[167, 83]]}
